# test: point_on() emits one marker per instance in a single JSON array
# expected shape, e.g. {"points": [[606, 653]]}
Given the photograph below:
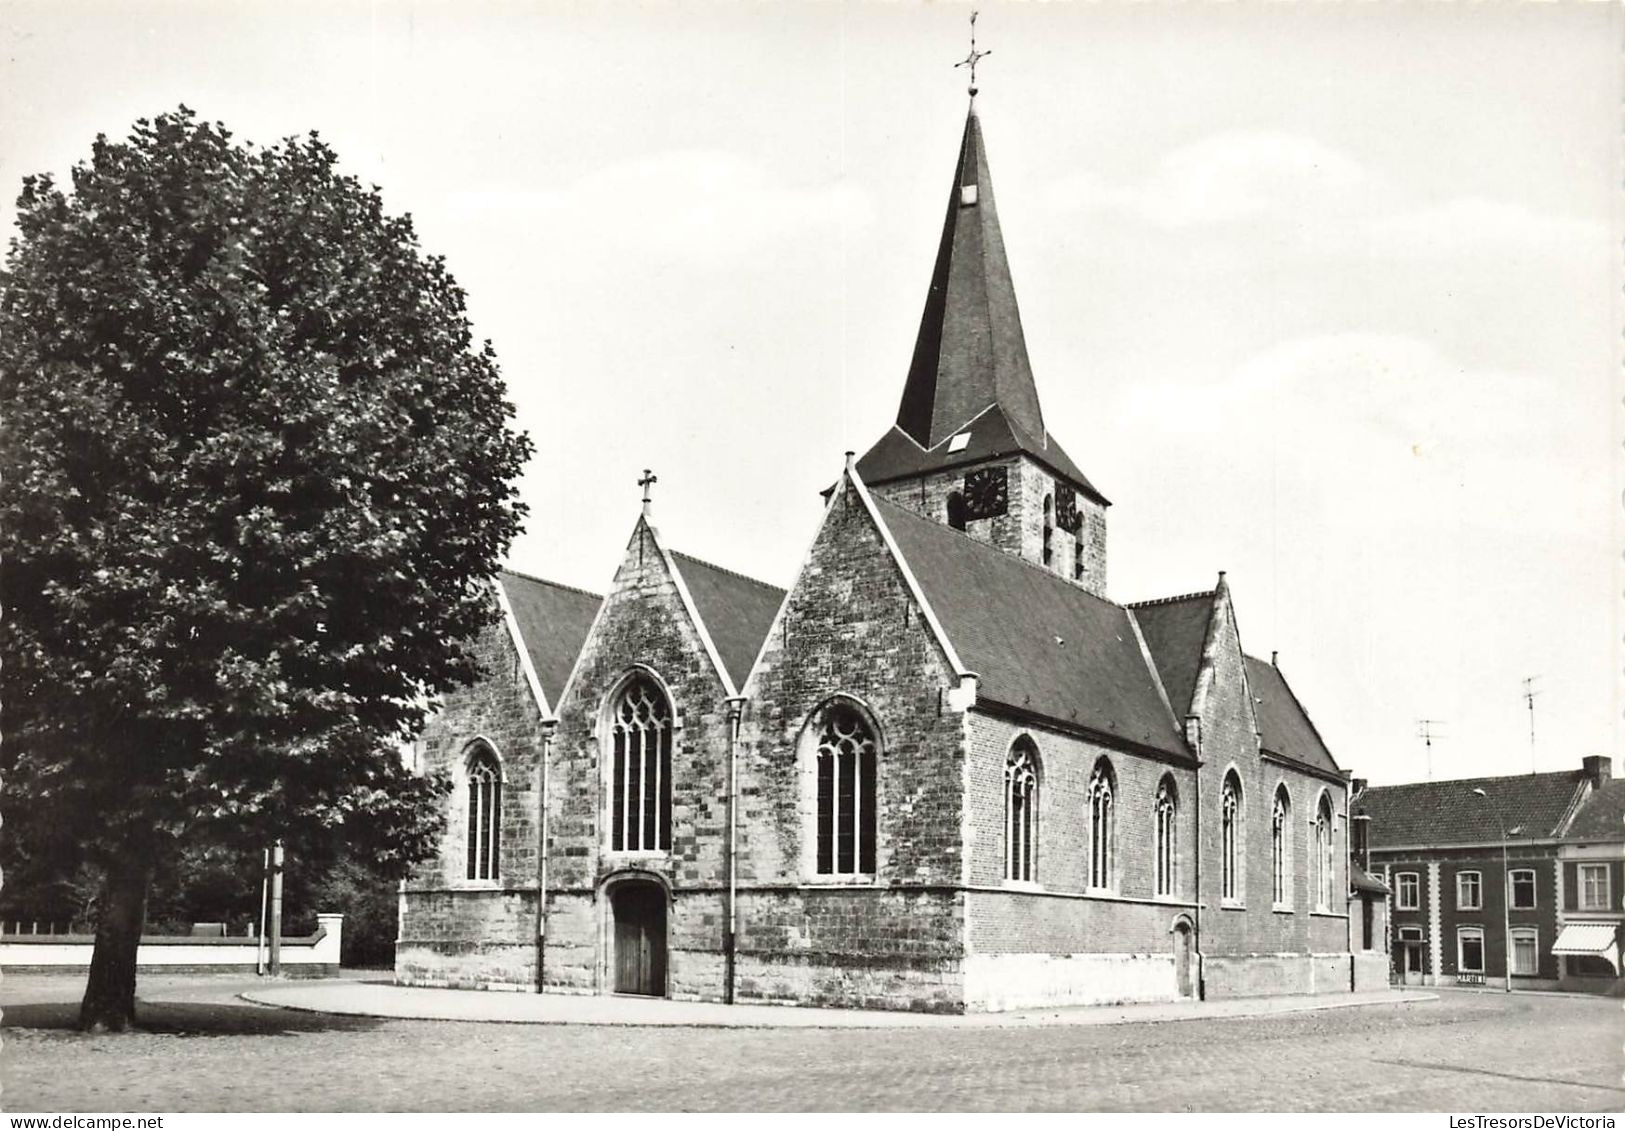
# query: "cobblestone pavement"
{"points": [[206, 1051]]}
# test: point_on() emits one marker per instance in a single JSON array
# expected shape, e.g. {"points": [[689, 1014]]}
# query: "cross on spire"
{"points": [[974, 57], [649, 480]]}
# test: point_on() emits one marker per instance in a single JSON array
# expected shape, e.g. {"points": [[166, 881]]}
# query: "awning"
{"points": [[1599, 939], [1361, 880]]}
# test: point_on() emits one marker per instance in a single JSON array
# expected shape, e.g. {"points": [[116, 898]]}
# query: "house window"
{"points": [[1469, 950], [1281, 848], [1594, 894], [1407, 892], [846, 793], [1167, 809], [484, 813], [1469, 891], [1522, 883], [1020, 809], [1230, 838], [1325, 873], [640, 795], [1102, 826], [1525, 952]]}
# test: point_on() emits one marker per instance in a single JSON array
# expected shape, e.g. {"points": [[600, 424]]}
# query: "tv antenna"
{"points": [[1529, 694], [1425, 730]]}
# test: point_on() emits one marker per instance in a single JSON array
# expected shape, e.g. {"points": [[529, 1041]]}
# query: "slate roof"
{"points": [[1601, 815], [1037, 642], [897, 456], [737, 611], [1283, 725], [1175, 629], [1361, 880], [553, 621], [970, 369], [1432, 813]]}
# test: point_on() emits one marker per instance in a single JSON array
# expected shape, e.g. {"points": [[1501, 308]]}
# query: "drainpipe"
{"points": [[549, 728], [730, 930], [1193, 735]]}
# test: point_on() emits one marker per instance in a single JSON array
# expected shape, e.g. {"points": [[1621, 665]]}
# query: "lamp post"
{"points": [[1506, 896]]}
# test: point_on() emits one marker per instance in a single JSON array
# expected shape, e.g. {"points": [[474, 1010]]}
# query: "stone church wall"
{"points": [[643, 626], [460, 932], [851, 628]]}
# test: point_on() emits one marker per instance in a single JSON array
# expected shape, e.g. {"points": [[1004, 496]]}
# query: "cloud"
{"points": [[703, 206], [1317, 199]]}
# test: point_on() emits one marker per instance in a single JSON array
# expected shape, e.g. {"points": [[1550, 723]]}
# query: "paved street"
{"points": [[208, 1051]]}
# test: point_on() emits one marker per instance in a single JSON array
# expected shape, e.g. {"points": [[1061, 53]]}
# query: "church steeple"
{"points": [[970, 352], [970, 447]]}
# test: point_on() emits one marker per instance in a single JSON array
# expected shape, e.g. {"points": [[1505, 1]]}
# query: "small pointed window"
{"points": [[1103, 826], [1325, 872], [956, 510], [1049, 530], [640, 795], [1020, 809], [484, 813], [1281, 848], [1230, 838], [1167, 810]]}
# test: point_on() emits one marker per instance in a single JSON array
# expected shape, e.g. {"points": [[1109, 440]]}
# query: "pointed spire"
{"points": [[970, 352]]}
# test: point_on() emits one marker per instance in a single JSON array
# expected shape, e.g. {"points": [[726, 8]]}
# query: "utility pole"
{"points": [[1426, 732], [276, 910], [1529, 694]]}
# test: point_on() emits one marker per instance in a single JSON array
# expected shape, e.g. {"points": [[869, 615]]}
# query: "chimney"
{"points": [[1599, 768]]}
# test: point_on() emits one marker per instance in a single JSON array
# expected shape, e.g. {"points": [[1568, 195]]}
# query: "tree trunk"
{"points": [[109, 1003]]}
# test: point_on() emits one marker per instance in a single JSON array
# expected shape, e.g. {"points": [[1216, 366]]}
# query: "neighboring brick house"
{"points": [[943, 771], [1591, 920], [1476, 870]]}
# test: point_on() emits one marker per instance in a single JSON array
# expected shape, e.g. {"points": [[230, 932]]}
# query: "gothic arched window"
{"points": [[1102, 826], [1077, 556], [484, 813], [1230, 849], [1324, 871], [1167, 810], [1020, 809], [846, 793], [1281, 848], [957, 515], [640, 793]]}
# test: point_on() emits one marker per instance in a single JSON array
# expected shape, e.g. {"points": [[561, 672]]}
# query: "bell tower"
{"points": [[970, 448]]}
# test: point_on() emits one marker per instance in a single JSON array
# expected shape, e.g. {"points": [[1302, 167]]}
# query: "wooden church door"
{"points": [[640, 938]]}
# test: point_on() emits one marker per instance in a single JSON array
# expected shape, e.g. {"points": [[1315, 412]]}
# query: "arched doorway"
{"points": [[639, 961], [1182, 959]]}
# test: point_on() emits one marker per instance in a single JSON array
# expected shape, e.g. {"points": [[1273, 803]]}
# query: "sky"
{"points": [[1326, 296]]}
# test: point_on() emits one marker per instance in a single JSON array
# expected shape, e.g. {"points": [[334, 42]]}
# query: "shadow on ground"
{"points": [[190, 1019]]}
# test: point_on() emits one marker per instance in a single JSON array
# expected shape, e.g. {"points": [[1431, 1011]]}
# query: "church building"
{"points": [[944, 771]]}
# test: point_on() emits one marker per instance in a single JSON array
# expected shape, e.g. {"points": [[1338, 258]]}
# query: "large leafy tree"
{"points": [[255, 475]]}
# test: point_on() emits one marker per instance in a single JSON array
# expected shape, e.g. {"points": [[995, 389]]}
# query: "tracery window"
{"points": [[1323, 854], [1020, 809], [640, 794], [1230, 838], [1167, 809], [1281, 848], [484, 813], [846, 793], [1102, 826]]}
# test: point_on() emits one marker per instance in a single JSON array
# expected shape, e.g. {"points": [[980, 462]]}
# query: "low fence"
{"points": [[311, 956]]}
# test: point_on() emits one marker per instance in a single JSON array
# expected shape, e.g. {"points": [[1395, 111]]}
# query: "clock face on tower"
{"points": [[1066, 509], [987, 492]]}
